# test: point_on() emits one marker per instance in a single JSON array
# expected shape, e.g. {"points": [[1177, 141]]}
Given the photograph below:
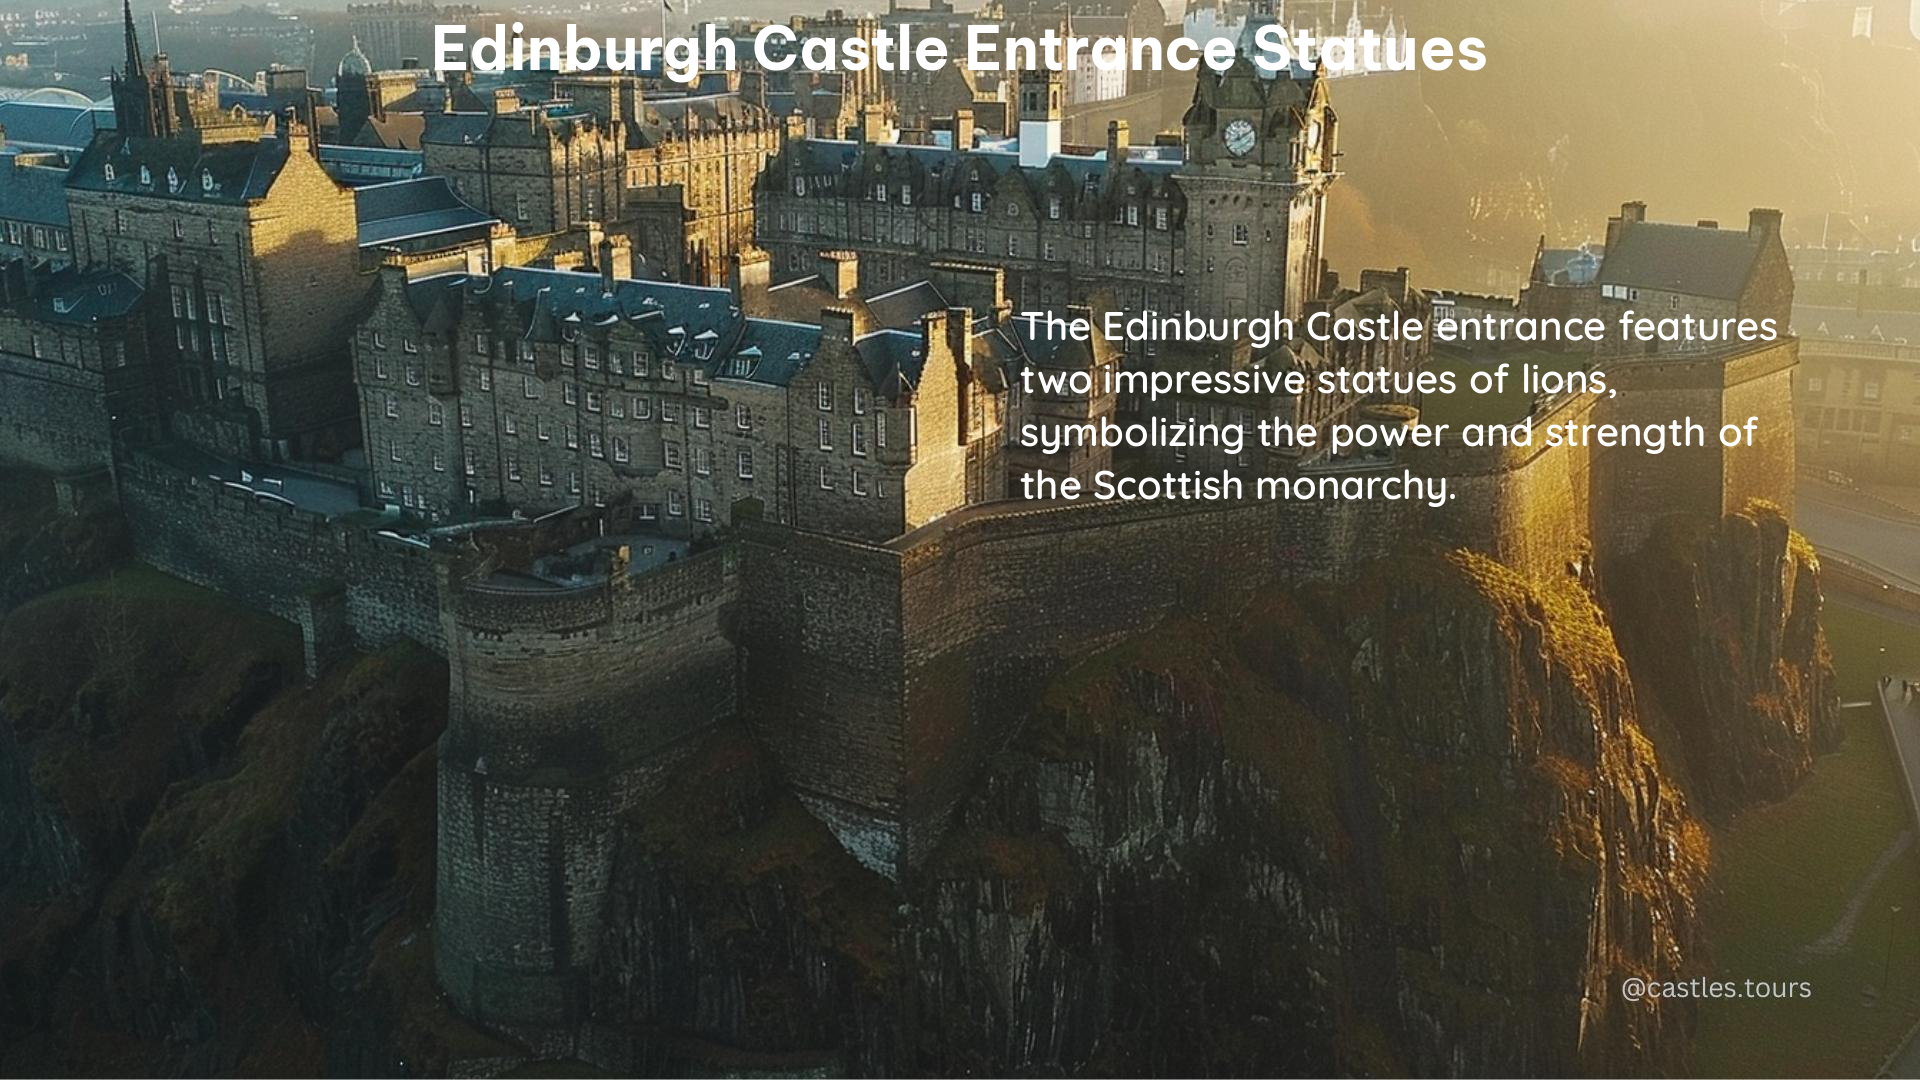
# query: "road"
{"points": [[1885, 542]]}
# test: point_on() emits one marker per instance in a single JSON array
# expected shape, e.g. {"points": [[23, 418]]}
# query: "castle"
{"points": [[628, 512]]}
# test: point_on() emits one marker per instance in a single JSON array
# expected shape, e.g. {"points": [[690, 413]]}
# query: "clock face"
{"points": [[1240, 137]]}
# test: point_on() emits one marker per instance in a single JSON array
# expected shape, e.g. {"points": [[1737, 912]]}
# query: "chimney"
{"points": [[836, 325], [963, 130], [632, 99], [1119, 136], [1633, 213], [603, 256], [1763, 224], [1613, 232], [972, 285], [796, 126], [840, 272], [1707, 223], [873, 124], [506, 100], [1393, 282], [752, 271]]}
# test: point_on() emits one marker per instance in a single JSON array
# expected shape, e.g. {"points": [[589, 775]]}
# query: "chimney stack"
{"points": [[963, 130], [873, 125], [840, 272], [1119, 137], [506, 100], [1763, 224]]}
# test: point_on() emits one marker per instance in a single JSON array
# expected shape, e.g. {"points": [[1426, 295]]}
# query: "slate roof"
{"points": [[369, 164], [1681, 258], [416, 210], [33, 193], [221, 172], [47, 125], [74, 296], [694, 324]]}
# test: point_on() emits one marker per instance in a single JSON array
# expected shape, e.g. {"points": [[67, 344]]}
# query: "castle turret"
{"points": [[1042, 111]]}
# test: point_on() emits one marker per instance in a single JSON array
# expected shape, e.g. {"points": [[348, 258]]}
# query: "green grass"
{"points": [[1784, 875]]}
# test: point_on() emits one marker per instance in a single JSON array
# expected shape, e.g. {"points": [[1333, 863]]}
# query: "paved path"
{"points": [[1886, 543]]}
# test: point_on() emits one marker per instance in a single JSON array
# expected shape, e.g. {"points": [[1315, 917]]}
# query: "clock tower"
{"points": [[1260, 154]]}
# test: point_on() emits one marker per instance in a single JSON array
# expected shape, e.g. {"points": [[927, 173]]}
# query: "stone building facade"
{"points": [[1230, 223], [663, 405], [535, 170], [76, 380]]}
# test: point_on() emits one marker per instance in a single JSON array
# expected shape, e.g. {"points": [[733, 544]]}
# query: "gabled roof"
{"points": [[1682, 258], [415, 210], [74, 296], [235, 172]]}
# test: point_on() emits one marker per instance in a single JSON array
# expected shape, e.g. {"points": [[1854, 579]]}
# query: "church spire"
{"points": [[136, 69]]}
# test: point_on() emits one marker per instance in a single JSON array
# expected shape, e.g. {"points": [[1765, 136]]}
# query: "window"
{"points": [[546, 475], [593, 401], [642, 407], [703, 510], [742, 417], [826, 479], [880, 430], [520, 208], [393, 450], [571, 435], [1816, 384], [593, 444], [826, 434], [859, 439], [436, 413], [569, 394], [1133, 215], [1160, 218], [407, 346], [486, 380], [699, 375], [649, 511], [1870, 391], [669, 412], [540, 428], [615, 406], [413, 375], [480, 344], [666, 368], [525, 351], [1013, 247], [573, 482], [823, 396], [1047, 250], [179, 230], [702, 461], [672, 455], [880, 193], [379, 367], [702, 417], [620, 451], [467, 463], [906, 195], [676, 504], [639, 362], [513, 468], [529, 388], [386, 489], [512, 425], [1053, 207], [979, 202], [744, 464], [393, 407], [859, 483], [1242, 235]]}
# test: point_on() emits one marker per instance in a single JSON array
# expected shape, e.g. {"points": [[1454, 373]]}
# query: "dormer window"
{"points": [[206, 181], [146, 176], [173, 182], [109, 171]]}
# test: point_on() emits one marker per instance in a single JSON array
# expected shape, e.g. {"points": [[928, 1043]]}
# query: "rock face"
{"points": [[1722, 623], [1410, 826], [205, 866]]}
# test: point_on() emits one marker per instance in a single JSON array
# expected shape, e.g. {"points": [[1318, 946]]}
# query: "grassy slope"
{"points": [[1784, 875]]}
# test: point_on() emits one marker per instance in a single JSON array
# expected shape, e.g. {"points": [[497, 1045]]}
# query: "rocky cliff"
{"points": [[205, 866], [1414, 825], [1721, 621]]}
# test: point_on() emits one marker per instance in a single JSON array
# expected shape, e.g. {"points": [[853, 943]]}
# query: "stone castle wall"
{"points": [[271, 556], [567, 707]]}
